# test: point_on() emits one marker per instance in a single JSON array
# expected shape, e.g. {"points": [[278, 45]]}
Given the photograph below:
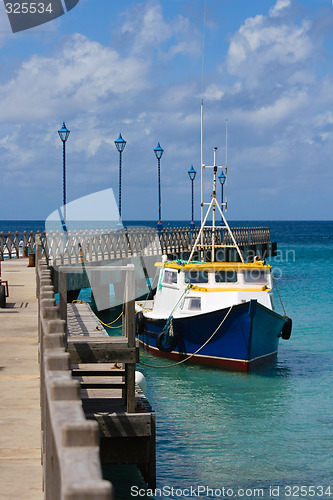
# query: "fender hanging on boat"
{"points": [[287, 327]]}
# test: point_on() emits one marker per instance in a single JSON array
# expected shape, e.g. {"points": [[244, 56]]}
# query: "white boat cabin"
{"points": [[196, 288]]}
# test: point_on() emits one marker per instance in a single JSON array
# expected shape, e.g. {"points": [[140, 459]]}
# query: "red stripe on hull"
{"points": [[223, 363]]}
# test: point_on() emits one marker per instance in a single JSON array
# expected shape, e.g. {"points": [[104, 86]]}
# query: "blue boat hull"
{"points": [[248, 337]]}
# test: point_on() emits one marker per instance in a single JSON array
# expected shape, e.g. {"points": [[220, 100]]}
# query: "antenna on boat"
{"points": [[226, 165], [201, 162], [202, 87]]}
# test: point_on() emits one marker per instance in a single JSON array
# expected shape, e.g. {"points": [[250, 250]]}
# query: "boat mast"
{"points": [[201, 161], [212, 206], [226, 165], [202, 93]]}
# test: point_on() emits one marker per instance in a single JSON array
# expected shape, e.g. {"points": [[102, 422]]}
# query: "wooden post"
{"points": [[62, 293], [130, 335]]}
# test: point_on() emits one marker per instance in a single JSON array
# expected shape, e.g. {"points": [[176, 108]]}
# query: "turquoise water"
{"points": [[251, 433], [274, 428]]}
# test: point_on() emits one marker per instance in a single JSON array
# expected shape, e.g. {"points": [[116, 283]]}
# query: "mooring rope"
{"points": [[284, 311], [196, 352], [108, 325]]}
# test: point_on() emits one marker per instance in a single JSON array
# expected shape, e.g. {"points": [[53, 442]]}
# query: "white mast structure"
{"points": [[212, 207], [213, 204]]}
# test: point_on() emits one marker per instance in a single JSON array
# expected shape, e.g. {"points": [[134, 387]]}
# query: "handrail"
{"points": [[99, 245], [70, 451]]}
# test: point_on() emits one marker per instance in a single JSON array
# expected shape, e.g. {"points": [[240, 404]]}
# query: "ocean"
{"points": [[262, 435]]}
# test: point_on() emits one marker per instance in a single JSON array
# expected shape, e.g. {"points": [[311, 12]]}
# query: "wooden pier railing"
{"points": [[70, 443], [92, 411], [71, 247], [17, 244]]}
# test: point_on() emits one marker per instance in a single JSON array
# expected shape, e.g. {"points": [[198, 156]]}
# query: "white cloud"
{"points": [[261, 43], [280, 5], [10, 146], [287, 105], [145, 25], [83, 74], [213, 93], [148, 31], [323, 119]]}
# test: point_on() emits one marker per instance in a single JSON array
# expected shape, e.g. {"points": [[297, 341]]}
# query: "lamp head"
{"points": [[120, 144], [63, 133], [192, 173], [222, 178], [158, 151]]}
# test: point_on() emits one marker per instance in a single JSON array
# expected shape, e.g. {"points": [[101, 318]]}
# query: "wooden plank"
{"points": [[88, 382], [99, 351], [102, 385], [109, 402], [124, 425], [100, 371]]}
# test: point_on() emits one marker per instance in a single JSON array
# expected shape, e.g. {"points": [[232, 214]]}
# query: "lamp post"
{"points": [[222, 179], [120, 145], [63, 134], [192, 173], [158, 153]]}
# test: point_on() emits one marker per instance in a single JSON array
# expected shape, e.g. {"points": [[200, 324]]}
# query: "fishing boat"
{"points": [[209, 312]]}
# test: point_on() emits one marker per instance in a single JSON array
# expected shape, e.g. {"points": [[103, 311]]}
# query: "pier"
{"points": [[63, 378], [69, 382], [20, 426], [97, 245]]}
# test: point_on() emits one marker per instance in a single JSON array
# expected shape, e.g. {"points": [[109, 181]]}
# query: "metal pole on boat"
{"points": [[201, 171], [201, 161], [226, 163]]}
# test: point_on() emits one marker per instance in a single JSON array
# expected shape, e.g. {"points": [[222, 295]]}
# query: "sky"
{"points": [[141, 68]]}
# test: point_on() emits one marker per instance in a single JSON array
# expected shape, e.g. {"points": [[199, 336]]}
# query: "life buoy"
{"points": [[140, 323], [166, 347], [286, 330]]}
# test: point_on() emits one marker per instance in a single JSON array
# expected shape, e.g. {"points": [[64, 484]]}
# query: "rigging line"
{"points": [[108, 325], [194, 353], [277, 289], [203, 50]]}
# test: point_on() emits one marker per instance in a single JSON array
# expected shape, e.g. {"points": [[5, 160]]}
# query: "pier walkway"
{"points": [[20, 430]]}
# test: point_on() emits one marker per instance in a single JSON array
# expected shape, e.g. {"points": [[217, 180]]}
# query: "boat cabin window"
{"points": [[170, 277], [196, 276], [192, 303], [226, 276], [255, 276]]}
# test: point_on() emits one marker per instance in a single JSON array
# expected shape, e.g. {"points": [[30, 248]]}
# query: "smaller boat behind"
{"points": [[218, 314]]}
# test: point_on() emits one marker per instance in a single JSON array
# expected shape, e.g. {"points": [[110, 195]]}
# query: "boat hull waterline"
{"points": [[247, 338]]}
